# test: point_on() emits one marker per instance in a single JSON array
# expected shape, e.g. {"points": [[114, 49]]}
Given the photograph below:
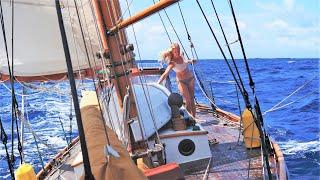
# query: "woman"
{"points": [[185, 78]]}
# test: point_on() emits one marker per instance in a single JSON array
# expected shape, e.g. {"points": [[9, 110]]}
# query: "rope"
{"points": [[4, 139], [224, 56], [89, 63], [194, 54], [25, 122], [70, 119], [280, 107], [88, 35], [31, 87], [61, 123], [239, 107], [164, 27], [227, 44], [175, 32], [127, 9], [242, 48], [28, 125], [74, 39], [125, 118], [105, 75], [11, 75], [259, 117], [298, 89], [87, 167], [205, 176], [147, 89], [117, 39], [134, 32]]}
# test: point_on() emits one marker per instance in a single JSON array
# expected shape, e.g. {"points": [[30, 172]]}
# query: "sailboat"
{"points": [[129, 127]]}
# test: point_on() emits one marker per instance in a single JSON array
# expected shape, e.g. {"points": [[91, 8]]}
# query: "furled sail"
{"points": [[37, 47]]}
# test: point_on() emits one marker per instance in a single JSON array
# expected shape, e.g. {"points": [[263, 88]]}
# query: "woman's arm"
{"points": [[166, 73], [191, 61]]}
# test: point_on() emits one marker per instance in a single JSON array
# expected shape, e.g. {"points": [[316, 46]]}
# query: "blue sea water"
{"points": [[295, 126]]}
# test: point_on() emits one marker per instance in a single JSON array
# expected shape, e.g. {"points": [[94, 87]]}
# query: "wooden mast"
{"points": [[106, 18], [108, 14]]}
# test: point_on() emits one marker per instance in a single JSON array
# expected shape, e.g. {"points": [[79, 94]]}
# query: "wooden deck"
{"points": [[230, 158]]}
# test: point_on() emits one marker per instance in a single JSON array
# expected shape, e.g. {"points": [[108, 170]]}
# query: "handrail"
{"points": [[143, 14]]}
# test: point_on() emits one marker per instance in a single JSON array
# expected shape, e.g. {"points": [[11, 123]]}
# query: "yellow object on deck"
{"points": [[250, 131], [25, 172]]}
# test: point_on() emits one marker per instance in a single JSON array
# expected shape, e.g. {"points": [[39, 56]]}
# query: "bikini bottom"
{"points": [[186, 81]]}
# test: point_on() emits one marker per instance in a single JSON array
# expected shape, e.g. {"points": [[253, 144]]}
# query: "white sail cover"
{"points": [[38, 46]]}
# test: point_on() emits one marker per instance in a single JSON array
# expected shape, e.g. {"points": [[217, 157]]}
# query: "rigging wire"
{"points": [[106, 75], [125, 11], [4, 139], [70, 119], [134, 32], [74, 40], [62, 127], [14, 100], [239, 107], [88, 33], [145, 89], [10, 69], [195, 56], [229, 49], [175, 32], [224, 56], [148, 99], [298, 89], [87, 168], [164, 27], [258, 118], [35, 136], [280, 107], [93, 81]]}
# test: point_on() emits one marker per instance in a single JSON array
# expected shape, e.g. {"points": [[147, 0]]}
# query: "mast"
{"points": [[108, 13], [105, 19]]}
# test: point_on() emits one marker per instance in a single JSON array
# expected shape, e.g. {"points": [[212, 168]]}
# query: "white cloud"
{"points": [[288, 4], [265, 29], [268, 6], [277, 24]]}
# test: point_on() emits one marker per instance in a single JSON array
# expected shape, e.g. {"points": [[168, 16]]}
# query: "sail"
{"points": [[38, 47]]}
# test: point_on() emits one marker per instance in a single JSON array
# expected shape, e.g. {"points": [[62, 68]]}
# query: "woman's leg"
{"points": [[185, 93]]}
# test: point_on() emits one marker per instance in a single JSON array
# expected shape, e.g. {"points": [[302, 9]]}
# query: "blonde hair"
{"points": [[176, 46], [166, 56]]}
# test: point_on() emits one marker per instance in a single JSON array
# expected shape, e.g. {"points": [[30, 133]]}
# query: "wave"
{"points": [[293, 147]]}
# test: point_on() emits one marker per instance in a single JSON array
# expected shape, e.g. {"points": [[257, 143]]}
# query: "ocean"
{"points": [[294, 125]]}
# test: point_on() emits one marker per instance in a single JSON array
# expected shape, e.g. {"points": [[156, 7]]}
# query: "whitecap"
{"points": [[294, 147], [58, 141], [289, 62]]}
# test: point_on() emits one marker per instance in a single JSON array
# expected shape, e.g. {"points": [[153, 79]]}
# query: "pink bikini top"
{"points": [[180, 67]]}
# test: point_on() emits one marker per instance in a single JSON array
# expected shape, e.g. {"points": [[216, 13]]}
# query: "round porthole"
{"points": [[186, 147]]}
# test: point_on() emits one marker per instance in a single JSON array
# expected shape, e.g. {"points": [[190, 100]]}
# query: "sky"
{"points": [[269, 29]]}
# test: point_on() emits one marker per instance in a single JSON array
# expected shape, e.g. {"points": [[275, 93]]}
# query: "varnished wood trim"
{"points": [[228, 115], [51, 77], [64, 151], [178, 134], [281, 162], [138, 72], [143, 14]]}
